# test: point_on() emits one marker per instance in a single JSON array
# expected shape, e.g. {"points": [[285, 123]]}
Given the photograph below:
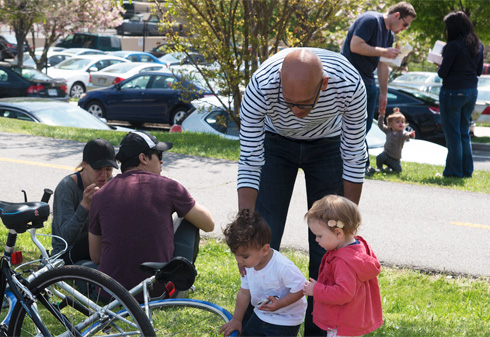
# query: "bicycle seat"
{"points": [[17, 216], [179, 271]]}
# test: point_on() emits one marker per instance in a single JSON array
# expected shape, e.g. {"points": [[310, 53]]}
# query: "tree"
{"points": [[240, 34], [55, 19], [20, 15]]}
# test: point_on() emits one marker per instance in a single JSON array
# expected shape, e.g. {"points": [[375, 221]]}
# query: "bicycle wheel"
{"points": [[72, 300], [187, 317]]}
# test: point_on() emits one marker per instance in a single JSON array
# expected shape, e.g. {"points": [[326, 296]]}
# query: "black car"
{"points": [[156, 97], [23, 81], [421, 110]]}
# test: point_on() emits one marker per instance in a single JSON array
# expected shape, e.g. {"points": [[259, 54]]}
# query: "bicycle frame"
{"points": [[16, 282]]}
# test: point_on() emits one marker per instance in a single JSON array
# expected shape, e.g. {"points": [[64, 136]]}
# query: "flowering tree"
{"points": [[240, 34], [57, 18]]}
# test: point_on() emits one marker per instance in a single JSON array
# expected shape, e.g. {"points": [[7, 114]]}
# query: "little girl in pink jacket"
{"points": [[346, 296]]}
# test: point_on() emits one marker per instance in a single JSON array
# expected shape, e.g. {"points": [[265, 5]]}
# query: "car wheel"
{"points": [[96, 109], [178, 115], [411, 126], [77, 89]]}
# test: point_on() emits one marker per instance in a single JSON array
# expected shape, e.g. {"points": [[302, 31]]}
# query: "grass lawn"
{"points": [[414, 303]]}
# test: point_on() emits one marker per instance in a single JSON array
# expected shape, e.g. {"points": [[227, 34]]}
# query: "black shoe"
{"points": [[369, 171]]}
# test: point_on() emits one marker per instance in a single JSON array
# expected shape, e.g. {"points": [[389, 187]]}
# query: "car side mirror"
{"points": [[93, 69]]}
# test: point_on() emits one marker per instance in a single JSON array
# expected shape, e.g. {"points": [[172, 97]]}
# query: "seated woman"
{"points": [[72, 198]]}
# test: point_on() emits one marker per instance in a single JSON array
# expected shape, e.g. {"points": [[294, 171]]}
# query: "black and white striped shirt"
{"points": [[341, 110]]}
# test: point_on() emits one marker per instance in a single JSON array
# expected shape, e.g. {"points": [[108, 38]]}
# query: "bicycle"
{"points": [[169, 316], [61, 300]]}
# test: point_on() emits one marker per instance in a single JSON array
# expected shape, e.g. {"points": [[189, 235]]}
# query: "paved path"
{"points": [[424, 227]]}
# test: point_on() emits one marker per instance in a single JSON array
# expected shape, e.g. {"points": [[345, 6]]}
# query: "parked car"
{"points": [[484, 96], [53, 59], [421, 110], [47, 111], [83, 51], [140, 24], [486, 68], [119, 72], [136, 56], [8, 47], [5, 49], [24, 81], [156, 97], [76, 70], [418, 79], [91, 40], [209, 116], [181, 58]]}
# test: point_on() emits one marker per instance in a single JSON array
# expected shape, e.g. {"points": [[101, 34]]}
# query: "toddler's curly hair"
{"points": [[335, 207], [248, 229]]}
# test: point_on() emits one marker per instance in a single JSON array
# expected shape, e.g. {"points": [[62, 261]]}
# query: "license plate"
{"points": [[101, 81], [52, 92]]}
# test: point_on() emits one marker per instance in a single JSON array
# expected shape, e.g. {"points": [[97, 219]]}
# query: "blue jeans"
{"points": [[456, 107], [321, 162], [372, 98], [257, 327]]}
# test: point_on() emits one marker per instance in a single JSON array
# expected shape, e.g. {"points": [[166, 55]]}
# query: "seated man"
{"points": [[130, 219]]}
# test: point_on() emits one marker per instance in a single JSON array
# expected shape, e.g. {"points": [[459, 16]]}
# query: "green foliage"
{"points": [[238, 35]]}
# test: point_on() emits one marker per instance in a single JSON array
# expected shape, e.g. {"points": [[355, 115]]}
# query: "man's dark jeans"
{"points": [[322, 165], [372, 98]]}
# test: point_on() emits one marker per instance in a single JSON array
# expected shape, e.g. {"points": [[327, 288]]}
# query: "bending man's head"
{"points": [[302, 80]]}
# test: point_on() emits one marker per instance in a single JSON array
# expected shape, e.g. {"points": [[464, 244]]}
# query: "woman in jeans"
{"points": [[461, 65]]}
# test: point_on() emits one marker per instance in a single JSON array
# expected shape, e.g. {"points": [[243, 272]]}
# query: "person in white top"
{"points": [[272, 283]]}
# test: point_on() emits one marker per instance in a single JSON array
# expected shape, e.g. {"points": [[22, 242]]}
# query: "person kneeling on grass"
{"points": [[396, 136], [272, 283]]}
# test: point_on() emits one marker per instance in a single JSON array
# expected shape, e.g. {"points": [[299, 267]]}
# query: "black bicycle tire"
{"points": [[96, 278]]}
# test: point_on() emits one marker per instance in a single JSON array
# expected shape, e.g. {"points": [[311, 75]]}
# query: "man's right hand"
{"points": [[391, 53]]}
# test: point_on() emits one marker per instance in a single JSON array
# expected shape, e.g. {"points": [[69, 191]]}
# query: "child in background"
{"points": [[272, 283], [346, 297], [395, 138]]}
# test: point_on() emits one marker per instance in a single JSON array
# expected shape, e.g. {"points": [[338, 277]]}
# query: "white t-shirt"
{"points": [[278, 278]]}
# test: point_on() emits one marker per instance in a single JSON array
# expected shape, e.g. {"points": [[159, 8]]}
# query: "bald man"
{"points": [[304, 108]]}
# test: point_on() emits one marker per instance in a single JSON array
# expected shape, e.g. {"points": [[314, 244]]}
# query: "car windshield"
{"points": [[172, 57], [31, 74], [426, 96], [70, 116], [73, 64]]}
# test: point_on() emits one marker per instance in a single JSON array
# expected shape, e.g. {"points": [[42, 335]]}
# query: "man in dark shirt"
{"points": [[371, 36]]}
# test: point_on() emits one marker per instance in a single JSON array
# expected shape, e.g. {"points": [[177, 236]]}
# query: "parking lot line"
{"points": [[69, 168], [467, 224]]}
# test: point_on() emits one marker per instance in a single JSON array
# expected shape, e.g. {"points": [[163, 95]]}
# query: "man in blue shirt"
{"points": [[370, 37]]}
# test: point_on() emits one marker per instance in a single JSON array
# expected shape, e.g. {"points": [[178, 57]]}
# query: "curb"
{"points": [[480, 146]]}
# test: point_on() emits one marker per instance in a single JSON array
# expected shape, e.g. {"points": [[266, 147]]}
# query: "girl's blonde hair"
{"points": [[339, 209]]}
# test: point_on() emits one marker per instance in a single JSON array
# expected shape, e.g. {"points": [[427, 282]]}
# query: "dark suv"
{"points": [[90, 40]]}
